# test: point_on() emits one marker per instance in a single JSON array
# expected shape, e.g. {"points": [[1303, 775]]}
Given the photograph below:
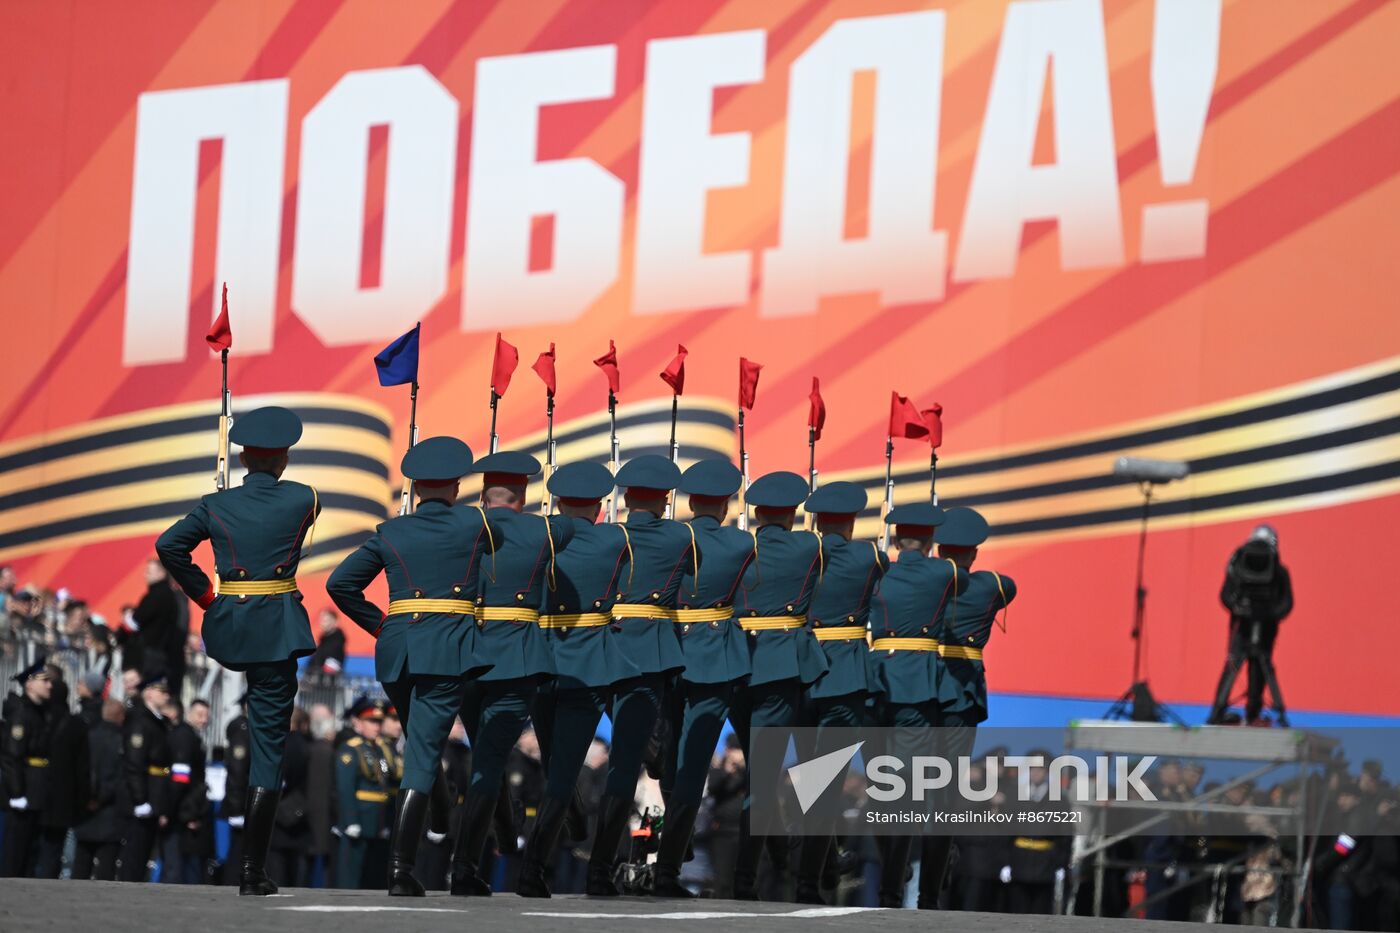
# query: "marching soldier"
{"points": [[496, 706], [906, 617], [642, 626], [364, 795], [24, 761], [784, 655], [838, 617], [148, 761], [256, 622], [716, 658], [575, 615], [962, 692], [428, 641]]}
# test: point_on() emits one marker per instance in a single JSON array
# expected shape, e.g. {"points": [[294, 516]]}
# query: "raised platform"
{"points": [[27, 905]]}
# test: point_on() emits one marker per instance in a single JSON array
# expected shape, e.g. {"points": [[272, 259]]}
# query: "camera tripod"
{"points": [[1261, 661]]}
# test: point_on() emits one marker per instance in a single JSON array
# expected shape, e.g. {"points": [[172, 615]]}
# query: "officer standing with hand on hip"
{"points": [[427, 643], [962, 690], [497, 705], [716, 659], [643, 627], [906, 618], [576, 616], [783, 655], [838, 616], [256, 623]]}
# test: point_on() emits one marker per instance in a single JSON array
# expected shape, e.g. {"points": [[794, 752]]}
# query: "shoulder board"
{"points": [[355, 742]]}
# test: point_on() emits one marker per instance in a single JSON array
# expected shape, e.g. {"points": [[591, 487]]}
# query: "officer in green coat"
{"points": [[716, 659], [643, 625], [838, 617], [576, 616], [784, 656], [962, 688], [364, 785], [906, 619], [496, 706], [255, 622], [428, 643]]}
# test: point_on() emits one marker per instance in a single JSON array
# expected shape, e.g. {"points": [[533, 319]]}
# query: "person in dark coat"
{"points": [[329, 660], [157, 638], [291, 834], [320, 798], [147, 767], [179, 846], [99, 833], [92, 689], [236, 758], [68, 778], [24, 767]]}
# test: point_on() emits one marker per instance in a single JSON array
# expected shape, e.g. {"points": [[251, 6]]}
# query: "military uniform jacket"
{"points": [[586, 581], [963, 687], [256, 531], [850, 571], [661, 548], [148, 759], [779, 582], [24, 754], [517, 579], [433, 553], [910, 601], [364, 788], [715, 652]]}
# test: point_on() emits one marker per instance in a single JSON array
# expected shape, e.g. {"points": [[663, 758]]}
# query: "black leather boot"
{"points": [[576, 819], [539, 849], [934, 868], [403, 843], [261, 813], [504, 824], [894, 875], [440, 807], [809, 869], [675, 839], [471, 839], [613, 814]]}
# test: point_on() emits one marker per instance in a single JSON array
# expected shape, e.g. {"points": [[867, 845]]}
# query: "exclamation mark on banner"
{"points": [[1185, 55]]}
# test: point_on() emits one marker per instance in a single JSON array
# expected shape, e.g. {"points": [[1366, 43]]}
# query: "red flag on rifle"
{"points": [[816, 417], [748, 383], [933, 420], [608, 364], [674, 374], [220, 336], [503, 366], [544, 368], [905, 418]]}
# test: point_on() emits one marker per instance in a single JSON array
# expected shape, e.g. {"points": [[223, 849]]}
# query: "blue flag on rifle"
{"points": [[398, 362]]}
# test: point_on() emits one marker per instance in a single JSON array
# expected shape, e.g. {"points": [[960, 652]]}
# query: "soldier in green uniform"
{"points": [[783, 654], [962, 688], [255, 623], [576, 616], [838, 617], [146, 759], [24, 763], [364, 796], [643, 627], [496, 706], [427, 643], [716, 659], [906, 618]]}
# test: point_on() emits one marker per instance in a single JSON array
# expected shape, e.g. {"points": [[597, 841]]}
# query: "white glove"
{"points": [[142, 811], [436, 838], [19, 803], [235, 822], [1005, 874], [1059, 875], [353, 830]]}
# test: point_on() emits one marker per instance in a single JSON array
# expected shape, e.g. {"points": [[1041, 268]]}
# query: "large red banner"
{"points": [[1085, 229]]}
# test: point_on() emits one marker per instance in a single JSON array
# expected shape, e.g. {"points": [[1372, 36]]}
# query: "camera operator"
{"points": [[1259, 595]]}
